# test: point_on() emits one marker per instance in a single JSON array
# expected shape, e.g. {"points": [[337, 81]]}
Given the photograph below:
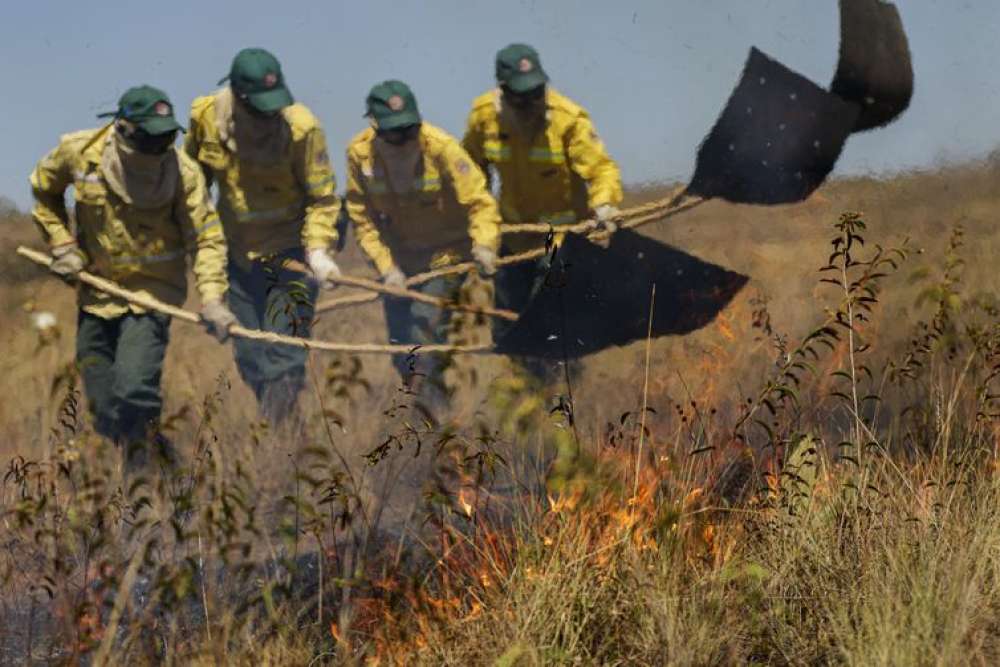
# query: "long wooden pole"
{"points": [[381, 288], [632, 218], [151, 303]]}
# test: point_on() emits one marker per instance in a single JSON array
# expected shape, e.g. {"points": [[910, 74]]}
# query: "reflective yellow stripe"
{"points": [[546, 155], [427, 184], [561, 218], [212, 222], [272, 215], [149, 259], [496, 152]]}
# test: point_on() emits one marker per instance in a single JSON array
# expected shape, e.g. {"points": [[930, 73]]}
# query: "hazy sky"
{"points": [[653, 73]]}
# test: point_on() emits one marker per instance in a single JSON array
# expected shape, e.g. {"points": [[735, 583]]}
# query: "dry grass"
{"points": [[506, 541]]}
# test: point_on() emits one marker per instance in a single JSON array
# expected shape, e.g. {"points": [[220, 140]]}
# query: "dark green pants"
{"points": [[516, 286], [267, 297], [414, 323], [121, 361]]}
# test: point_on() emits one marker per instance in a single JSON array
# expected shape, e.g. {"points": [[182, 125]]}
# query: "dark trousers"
{"points": [[516, 287], [414, 323], [121, 361], [267, 297]]}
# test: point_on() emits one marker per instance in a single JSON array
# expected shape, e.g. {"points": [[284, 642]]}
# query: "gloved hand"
{"points": [[322, 266], [217, 318], [394, 278], [486, 260], [68, 261], [605, 215]]}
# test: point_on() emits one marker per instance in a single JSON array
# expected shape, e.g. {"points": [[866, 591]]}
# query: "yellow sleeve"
{"points": [[315, 174], [192, 142], [202, 231], [49, 181], [364, 227], [469, 185], [591, 162], [473, 140]]}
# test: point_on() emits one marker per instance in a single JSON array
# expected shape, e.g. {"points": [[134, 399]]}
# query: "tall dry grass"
{"points": [[816, 480]]}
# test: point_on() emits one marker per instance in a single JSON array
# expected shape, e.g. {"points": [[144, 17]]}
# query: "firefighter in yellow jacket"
{"points": [[141, 209], [542, 151], [417, 201], [267, 154]]}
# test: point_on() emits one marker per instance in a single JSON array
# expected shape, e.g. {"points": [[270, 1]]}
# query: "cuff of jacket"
{"points": [[213, 291]]}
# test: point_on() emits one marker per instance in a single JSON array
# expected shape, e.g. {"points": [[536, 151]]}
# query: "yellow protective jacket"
{"points": [[432, 224], [559, 176], [143, 250], [269, 208]]}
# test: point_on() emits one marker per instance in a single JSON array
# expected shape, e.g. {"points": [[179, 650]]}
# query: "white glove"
{"points": [[68, 261], [606, 225], [606, 214], [486, 260], [394, 278], [322, 266], [217, 318]]}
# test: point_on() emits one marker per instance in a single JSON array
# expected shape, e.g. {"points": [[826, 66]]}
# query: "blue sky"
{"points": [[653, 73]]}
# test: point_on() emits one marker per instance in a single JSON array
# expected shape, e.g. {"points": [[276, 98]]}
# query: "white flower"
{"points": [[43, 321]]}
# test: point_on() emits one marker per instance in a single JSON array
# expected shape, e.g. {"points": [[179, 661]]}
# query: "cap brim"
{"points": [[522, 83], [160, 125], [397, 120], [272, 100]]}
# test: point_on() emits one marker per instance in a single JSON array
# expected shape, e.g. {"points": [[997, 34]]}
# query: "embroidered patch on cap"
{"points": [[462, 167], [525, 65], [161, 109], [396, 103], [270, 80]]}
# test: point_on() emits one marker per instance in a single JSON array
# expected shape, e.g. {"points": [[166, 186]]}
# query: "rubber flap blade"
{"points": [[776, 140]]}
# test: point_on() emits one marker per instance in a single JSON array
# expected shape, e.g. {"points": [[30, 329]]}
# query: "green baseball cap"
{"points": [[519, 68], [256, 77], [392, 105], [148, 108]]}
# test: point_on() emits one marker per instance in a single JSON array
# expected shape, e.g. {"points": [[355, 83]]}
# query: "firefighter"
{"points": [[542, 152], [267, 154], [141, 209], [417, 201]]}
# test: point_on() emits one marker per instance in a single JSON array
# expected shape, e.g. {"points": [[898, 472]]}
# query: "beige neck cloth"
{"points": [[141, 180], [257, 139], [400, 163], [526, 125]]}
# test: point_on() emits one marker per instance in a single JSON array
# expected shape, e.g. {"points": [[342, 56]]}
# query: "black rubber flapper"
{"points": [[600, 298], [777, 139], [875, 69]]}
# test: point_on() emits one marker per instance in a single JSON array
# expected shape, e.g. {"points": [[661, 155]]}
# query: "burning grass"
{"points": [[838, 508]]}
